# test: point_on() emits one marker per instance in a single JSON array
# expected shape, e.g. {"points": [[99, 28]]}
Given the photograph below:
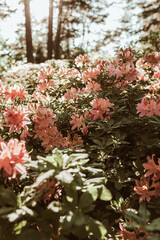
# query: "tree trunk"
{"points": [[50, 31], [29, 46], [58, 37]]}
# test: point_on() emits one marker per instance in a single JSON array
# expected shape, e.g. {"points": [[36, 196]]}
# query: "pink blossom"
{"points": [[142, 75], [37, 96], [12, 157], [157, 71], [100, 106], [82, 60], [45, 85], [14, 92], [62, 71], [156, 186], [72, 142], [148, 108], [152, 58], [17, 118], [101, 64], [46, 74], [78, 121], [72, 94], [44, 117], [125, 56], [143, 107], [143, 188], [124, 234], [73, 73], [92, 86], [152, 168], [90, 74]]}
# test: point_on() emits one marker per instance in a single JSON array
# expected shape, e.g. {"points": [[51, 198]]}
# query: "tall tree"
{"points": [[58, 33], [50, 31], [29, 46]]}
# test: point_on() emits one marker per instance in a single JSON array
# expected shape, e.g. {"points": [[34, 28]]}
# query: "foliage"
{"points": [[83, 134]]}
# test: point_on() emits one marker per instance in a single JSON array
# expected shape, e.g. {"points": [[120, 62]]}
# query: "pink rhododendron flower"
{"points": [[143, 188], [72, 94], [82, 60], [92, 86], [156, 186], [45, 130], [45, 85], [62, 71], [124, 234], [72, 142], [44, 117], [130, 72], [152, 168], [15, 91], [101, 64], [148, 108], [17, 118], [100, 106], [37, 96], [46, 74], [78, 121], [152, 58], [143, 107], [73, 73], [12, 157], [90, 74], [154, 86], [142, 75], [44, 78], [125, 56], [157, 71]]}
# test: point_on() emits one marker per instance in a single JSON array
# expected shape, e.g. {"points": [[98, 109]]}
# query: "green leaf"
{"points": [[79, 218], [97, 229], [43, 177], [7, 197], [94, 192], [71, 194], [19, 226], [154, 225], [65, 177], [95, 181], [85, 200], [144, 213], [105, 194]]}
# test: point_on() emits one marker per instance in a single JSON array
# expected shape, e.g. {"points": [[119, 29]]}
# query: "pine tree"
{"points": [[50, 31], [29, 46]]}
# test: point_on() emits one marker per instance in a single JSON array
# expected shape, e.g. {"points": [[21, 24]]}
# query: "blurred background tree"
{"points": [[82, 21]]}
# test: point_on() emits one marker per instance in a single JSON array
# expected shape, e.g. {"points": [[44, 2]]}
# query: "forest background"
{"points": [[33, 31]]}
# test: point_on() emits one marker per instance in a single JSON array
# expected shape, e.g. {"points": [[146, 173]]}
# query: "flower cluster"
{"points": [[17, 118], [149, 184], [124, 234], [100, 107], [82, 60], [148, 107], [122, 68], [15, 91], [45, 79], [12, 157]]}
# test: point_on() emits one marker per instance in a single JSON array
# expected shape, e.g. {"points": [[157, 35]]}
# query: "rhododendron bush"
{"points": [[80, 149]]}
